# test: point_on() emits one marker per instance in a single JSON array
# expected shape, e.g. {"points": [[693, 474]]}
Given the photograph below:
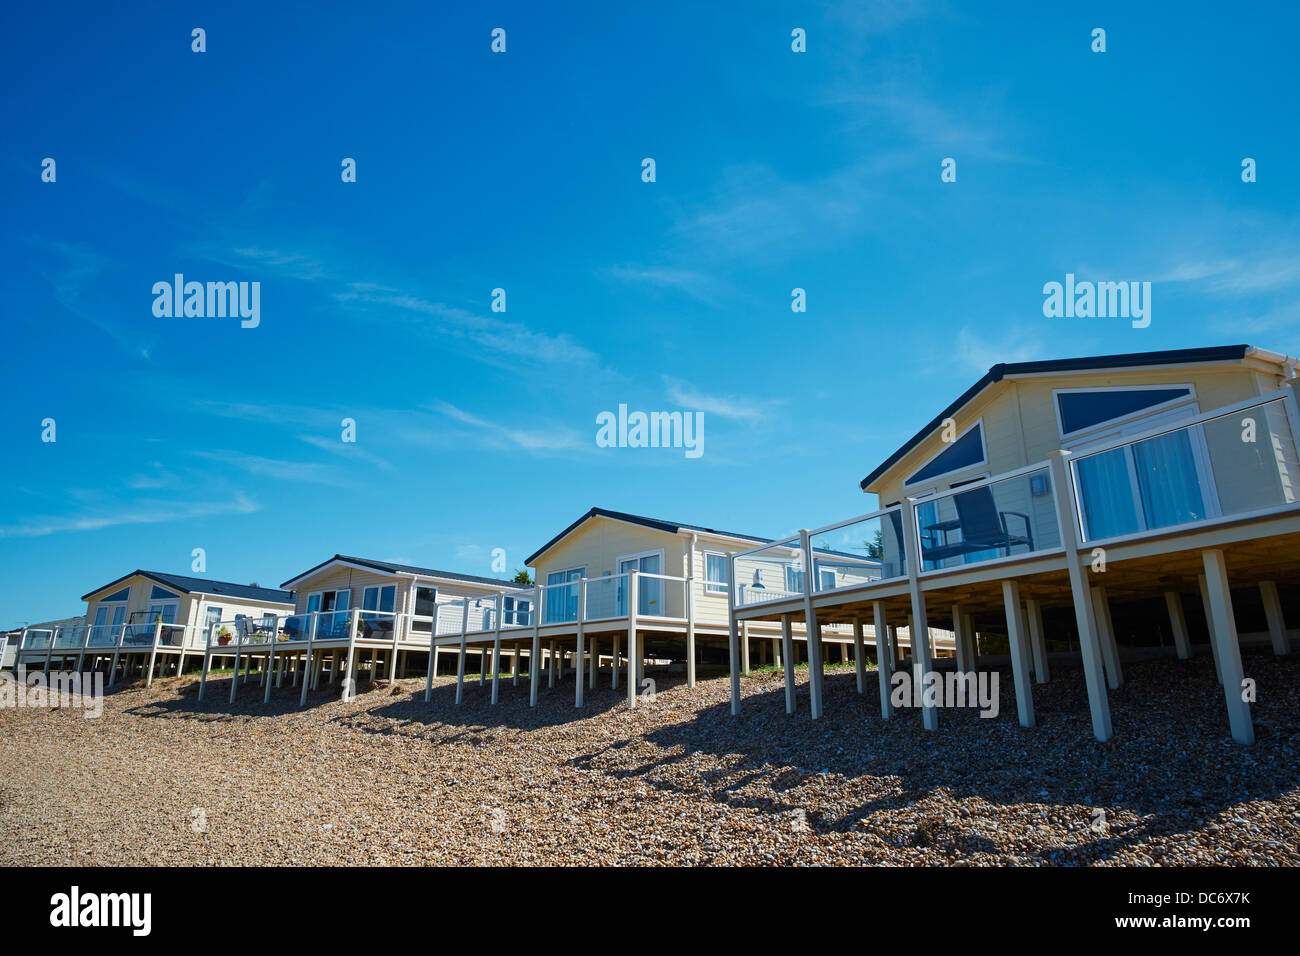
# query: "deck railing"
{"points": [[1222, 464]]}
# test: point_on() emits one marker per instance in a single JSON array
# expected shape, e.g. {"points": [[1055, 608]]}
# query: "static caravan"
{"points": [[148, 621], [352, 615], [1050, 495]]}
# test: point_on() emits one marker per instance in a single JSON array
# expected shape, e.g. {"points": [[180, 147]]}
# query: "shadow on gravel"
{"points": [[1171, 761]]}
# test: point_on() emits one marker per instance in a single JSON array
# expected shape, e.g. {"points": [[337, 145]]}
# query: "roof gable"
{"points": [[191, 585], [657, 524], [388, 567]]}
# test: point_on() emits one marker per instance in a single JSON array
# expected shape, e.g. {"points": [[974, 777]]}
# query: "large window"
{"points": [[426, 606], [966, 451], [1083, 409], [562, 595], [716, 578]]}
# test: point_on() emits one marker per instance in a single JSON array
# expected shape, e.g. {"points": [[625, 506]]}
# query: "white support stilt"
{"points": [[460, 657], [1020, 653], [884, 658], [514, 664], [813, 628], [535, 652], [1106, 633], [1273, 613], [787, 641], [234, 677], [1209, 624], [1178, 624], [1067, 521], [578, 661], [1225, 636], [433, 656], [964, 665], [615, 663], [311, 641], [496, 651], [920, 628], [153, 651], [349, 660], [859, 655], [594, 654], [972, 647], [270, 666], [744, 648], [550, 665], [633, 651], [690, 632], [203, 678], [1037, 639]]}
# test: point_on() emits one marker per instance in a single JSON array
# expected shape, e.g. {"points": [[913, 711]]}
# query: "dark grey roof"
{"points": [[1220, 353], [672, 527], [408, 569], [190, 585]]}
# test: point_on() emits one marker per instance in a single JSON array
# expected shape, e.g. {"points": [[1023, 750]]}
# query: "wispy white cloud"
{"points": [[147, 513], [349, 450], [538, 439], [78, 267], [304, 471], [698, 285], [980, 353], [735, 407]]}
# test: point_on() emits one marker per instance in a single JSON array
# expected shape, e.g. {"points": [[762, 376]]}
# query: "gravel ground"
{"points": [[387, 779]]}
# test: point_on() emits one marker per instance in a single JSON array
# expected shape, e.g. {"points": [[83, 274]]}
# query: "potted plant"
{"points": [[223, 636]]}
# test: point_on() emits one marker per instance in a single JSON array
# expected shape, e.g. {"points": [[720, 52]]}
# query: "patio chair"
{"points": [[983, 527]]}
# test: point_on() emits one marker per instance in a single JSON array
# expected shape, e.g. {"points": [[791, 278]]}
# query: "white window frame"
{"points": [[710, 586], [619, 582], [552, 588], [1094, 432], [984, 456], [321, 594]]}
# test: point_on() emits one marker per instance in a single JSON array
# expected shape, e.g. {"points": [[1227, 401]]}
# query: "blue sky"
{"points": [[475, 429]]}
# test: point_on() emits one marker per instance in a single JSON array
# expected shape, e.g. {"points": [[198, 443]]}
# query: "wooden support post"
{"points": [[1037, 639], [1020, 654], [1276, 622], [787, 643], [460, 658], [1225, 636], [535, 652], [1178, 624], [1067, 521], [578, 662], [1106, 633], [633, 652], [1209, 624], [884, 658], [859, 654]]}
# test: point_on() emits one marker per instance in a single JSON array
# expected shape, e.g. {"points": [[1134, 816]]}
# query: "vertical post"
{"points": [[1068, 524], [239, 644], [690, 630], [433, 654], [306, 670], [787, 658], [859, 654], [959, 641], [117, 650], [614, 663], [633, 652], [733, 648], [460, 658], [349, 665], [811, 626], [1019, 651], [884, 658], [207, 662], [85, 643], [920, 633], [550, 663], [49, 653], [1225, 636], [578, 663], [1178, 624], [1209, 625], [744, 648], [270, 663], [594, 653], [1037, 639], [514, 664], [1276, 622], [535, 652], [1106, 631], [496, 651]]}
